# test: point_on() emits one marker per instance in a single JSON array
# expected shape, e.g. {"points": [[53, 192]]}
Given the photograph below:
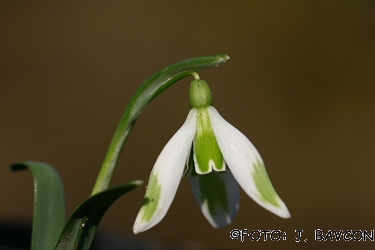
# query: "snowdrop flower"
{"points": [[218, 156]]}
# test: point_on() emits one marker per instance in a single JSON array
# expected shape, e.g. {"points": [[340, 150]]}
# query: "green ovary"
{"points": [[207, 154], [151, 200], [200, 94]]}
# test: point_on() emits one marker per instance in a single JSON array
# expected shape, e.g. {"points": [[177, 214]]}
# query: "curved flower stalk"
{"points": [[218, 156]]}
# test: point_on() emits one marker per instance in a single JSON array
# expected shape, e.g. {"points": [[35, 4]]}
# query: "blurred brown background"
{"points": [[299, 84]]}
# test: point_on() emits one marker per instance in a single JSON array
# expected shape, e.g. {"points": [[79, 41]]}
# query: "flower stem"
{"points": [[152, 87], [195, 75]]}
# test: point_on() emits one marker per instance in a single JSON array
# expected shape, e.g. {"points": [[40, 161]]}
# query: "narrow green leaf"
{"points": [[80, 229], [152, 87], [49, 204]]}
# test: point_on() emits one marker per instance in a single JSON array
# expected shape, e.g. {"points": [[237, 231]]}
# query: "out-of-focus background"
{"points": [[299, 84]]}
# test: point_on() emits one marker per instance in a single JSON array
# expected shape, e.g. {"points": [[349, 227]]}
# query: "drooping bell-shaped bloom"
{"points": [[218, 156]]}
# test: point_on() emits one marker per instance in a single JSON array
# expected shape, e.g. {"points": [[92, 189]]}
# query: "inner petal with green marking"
{"points": [[207, 155]]}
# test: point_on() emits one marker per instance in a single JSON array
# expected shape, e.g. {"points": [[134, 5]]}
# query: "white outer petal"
{"points": [[221, 218], [169, 168], [240, 155]]}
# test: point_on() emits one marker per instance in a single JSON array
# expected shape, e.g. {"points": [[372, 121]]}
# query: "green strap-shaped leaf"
{"points": [[80, 229], [152, 87], [49, 204]]}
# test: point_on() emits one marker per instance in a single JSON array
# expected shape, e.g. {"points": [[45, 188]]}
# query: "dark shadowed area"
{"points": [[300, 84]]}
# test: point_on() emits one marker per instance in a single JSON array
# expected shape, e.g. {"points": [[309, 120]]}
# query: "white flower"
{"points": [[216, 144]]}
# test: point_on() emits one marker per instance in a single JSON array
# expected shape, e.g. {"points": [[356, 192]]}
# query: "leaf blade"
{"points": [[49, 204], [80, 229]]}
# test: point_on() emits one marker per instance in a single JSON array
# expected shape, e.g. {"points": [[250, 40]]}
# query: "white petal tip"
{"points": [[281, 210], [285, 214], [137, 229], [140, 226]]}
